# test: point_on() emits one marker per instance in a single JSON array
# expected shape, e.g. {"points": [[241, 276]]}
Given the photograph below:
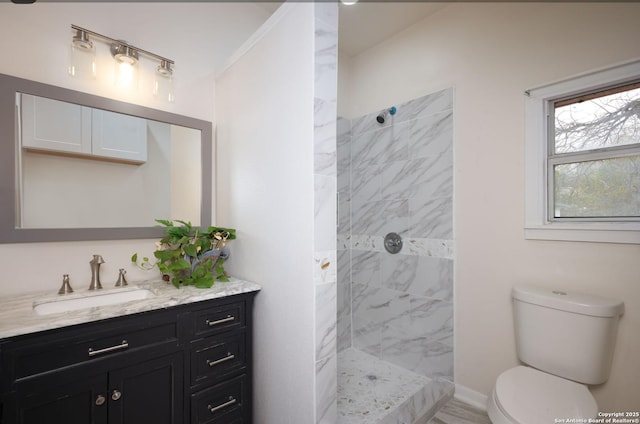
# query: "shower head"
{"points": [[383, 115]]}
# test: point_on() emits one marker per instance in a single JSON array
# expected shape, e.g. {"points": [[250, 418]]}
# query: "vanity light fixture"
{"points": [[82, 57], [163, 82], [82, 62], [124, 53]]}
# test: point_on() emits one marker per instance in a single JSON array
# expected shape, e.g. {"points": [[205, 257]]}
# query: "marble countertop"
{"points": [[17, 315]]}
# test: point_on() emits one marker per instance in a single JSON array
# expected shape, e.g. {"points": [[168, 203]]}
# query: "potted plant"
{"points": [[190, 256]]}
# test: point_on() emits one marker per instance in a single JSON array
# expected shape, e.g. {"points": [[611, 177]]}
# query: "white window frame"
{"points": [[538, 226]]}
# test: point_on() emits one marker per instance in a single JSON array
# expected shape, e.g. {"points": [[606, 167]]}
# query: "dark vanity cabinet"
{"points": [[186, 364], [219, 352]]}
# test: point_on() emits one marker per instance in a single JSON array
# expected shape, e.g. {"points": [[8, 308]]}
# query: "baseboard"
{"points": [[473, 398]]}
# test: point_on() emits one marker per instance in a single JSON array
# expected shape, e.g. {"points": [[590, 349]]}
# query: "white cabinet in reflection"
{"points": [[60, 127], [115, 135], [55, 126]]}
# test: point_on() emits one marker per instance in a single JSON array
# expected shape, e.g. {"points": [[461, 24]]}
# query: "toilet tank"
{"points": [[567, 334]]}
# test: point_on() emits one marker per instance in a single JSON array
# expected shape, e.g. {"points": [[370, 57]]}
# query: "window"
{"points": [[583, 158], [594, 156]]}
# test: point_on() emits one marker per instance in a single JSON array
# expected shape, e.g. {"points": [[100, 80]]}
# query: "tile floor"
{"points": [[457, 412]]}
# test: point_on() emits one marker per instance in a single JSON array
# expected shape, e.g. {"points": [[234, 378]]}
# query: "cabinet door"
{"points": [[78, 402], [55, 126], [150, 392], [119, 136]]}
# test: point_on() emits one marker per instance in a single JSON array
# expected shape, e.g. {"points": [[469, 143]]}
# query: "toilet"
{"points": [[566, 342]]}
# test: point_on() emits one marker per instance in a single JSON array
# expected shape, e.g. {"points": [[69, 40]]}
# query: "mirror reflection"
{"points": [[74, 166], [86, 167]]}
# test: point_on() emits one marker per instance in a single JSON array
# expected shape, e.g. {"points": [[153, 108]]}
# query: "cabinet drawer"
{"points": [[214, 320], [226, 402], [218, 357], [32, 356]]}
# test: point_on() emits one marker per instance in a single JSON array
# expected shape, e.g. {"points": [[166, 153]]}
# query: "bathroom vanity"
{"points": [[181, 356], [148, 353]]}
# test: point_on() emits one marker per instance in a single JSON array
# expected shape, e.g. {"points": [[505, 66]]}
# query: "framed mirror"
{"points": [[75, 167]]}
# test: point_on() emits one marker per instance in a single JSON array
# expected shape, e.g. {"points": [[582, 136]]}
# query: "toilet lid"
{"points": [[530, 396]]}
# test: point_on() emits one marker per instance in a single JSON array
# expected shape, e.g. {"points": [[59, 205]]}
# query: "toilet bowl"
{"points": [[524, 395], [552, 385]]}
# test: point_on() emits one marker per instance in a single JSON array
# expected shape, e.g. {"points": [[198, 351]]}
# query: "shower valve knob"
{"points": [[393, 243]]}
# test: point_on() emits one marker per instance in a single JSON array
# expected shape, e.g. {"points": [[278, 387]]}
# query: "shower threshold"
{"points": [[372, 391]]}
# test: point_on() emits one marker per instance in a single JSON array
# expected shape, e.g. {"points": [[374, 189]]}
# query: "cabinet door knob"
{"points": [[116, 395], [100, 400]]}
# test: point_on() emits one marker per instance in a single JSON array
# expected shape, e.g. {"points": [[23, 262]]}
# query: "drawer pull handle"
{"points": [[220, 321], [121, 346], [229, 357], [231, 401]]}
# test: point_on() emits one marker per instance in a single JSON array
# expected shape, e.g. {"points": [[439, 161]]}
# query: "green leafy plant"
{"points": [[189, 255]]}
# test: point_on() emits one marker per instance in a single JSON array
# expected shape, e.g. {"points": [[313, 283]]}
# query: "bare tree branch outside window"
{"points": [[594, 123]]}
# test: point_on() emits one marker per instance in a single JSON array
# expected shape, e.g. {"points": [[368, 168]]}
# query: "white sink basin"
{"points": [[92, 300]]}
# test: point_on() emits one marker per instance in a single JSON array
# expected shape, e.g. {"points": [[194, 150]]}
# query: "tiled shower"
{"points": [[395, 311]]}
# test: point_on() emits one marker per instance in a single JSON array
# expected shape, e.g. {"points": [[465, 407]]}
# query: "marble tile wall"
{"points": [[325, 262], [398, 177], [343, 141]]}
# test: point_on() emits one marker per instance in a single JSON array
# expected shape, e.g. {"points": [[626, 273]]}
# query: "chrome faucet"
{"points": [[95, 272]]}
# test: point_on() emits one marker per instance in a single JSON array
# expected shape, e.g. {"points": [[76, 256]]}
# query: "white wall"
{"points": [[186, 169], [80, 192], [264, 104], [344, 83], [492, 53], [198, 36]]}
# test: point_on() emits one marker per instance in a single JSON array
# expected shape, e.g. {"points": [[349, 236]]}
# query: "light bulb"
{"points": [[127, 75]]}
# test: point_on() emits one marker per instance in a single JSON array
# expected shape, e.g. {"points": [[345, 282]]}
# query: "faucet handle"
{"points": [[66, 286], [97, 259], [122, 281]]}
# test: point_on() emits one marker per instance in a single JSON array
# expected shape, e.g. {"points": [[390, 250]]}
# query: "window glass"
{"points": [[594, 155], [597, 189], [598, 120]]}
